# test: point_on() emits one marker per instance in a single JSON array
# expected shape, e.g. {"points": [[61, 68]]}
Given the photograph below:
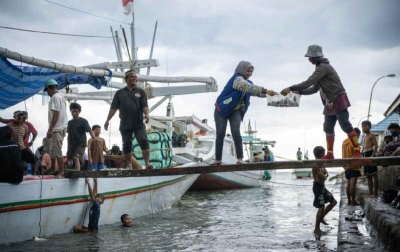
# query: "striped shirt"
{"points": [[19, 133]]}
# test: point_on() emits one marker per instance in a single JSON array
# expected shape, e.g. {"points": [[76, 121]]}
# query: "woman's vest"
{"points": [[230, 98]]}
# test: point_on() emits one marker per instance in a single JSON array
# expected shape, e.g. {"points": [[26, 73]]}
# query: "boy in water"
{"points": [[351, 173], [96, 149], [370, 146], [322, 195], [94, 213], [126, 220]]}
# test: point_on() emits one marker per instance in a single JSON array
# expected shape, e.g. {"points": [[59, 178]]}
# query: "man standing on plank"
{"points": [[334, 97], [131, 102]]}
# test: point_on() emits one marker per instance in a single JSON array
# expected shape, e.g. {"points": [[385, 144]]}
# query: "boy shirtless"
{"points": [[322, 195], [126, 220], [94, 213], [96, 149], [370, 146]]}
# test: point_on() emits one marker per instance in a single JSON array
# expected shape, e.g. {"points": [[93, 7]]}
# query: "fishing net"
{"points": [[290, 100], [18, 83]]}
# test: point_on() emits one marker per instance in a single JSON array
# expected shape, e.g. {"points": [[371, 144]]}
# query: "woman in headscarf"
{"points": [[231, 106]]}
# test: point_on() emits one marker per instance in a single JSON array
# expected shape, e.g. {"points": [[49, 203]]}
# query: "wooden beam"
{"points": [[281, 165]]}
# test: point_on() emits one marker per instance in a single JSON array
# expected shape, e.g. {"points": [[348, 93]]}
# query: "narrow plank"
{"points": [[281, 165]]}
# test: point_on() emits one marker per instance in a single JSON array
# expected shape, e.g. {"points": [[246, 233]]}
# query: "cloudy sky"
{"points": [[209, 38]]}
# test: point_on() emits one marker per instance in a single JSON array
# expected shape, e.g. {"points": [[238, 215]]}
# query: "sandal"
{"points": [[216, 164], [239, 163]]}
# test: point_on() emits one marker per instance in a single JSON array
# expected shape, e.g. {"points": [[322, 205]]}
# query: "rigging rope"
{"points": [[88, 13], [54, 33]]}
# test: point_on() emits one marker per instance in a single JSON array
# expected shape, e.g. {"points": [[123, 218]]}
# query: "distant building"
{"points": [[392, 115]]}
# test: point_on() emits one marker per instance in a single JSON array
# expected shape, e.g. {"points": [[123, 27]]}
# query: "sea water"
{"points": [[278, 217]]}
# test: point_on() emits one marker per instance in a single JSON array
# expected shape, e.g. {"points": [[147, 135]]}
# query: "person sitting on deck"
{"points": [[131, 102], [94, 212], [10, 158], [334, 98], [96, 149], [45, 161], [31, 129], [77, 128], [20, 131], [117, 160], [266, 154], [351, 172], [321, 194], [126, 220]]}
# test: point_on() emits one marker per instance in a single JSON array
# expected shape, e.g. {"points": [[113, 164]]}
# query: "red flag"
{"points": [[127, 4]]}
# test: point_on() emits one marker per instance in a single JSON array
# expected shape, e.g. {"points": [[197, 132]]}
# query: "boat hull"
{"points": [[228, 181], [64, 203], [303, 173]]}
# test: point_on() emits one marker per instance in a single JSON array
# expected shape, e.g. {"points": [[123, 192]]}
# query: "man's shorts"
{"points": [[97, 166], [54, 145], [76, 152], [352, 174], [369, 170], [141, 137], [321, 195]]}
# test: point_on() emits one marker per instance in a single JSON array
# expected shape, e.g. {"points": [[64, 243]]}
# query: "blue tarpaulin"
{"points": [[18, 83]]}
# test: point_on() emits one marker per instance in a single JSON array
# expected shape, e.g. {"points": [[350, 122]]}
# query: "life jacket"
{"points": [[230, 98]]}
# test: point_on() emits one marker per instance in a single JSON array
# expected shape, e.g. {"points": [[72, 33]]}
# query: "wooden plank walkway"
{"points": [[281, 165]]}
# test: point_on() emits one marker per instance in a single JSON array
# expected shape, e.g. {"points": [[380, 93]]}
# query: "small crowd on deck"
{"points": [[15, 150]]}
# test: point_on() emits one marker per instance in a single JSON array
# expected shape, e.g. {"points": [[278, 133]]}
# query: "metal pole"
{"points": [[115, 44], [370, 97], [133, 49], [118, 47]]}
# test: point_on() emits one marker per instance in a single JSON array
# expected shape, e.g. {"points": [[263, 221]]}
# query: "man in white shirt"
{"points": [[58, 122]]}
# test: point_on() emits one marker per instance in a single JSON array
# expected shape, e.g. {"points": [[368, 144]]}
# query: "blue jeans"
{"points": [[342, 117], [234, 118]]}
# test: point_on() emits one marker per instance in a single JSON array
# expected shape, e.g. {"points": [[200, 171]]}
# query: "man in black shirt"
{"points": [[77, 128], [131, 102], [10, 158]]}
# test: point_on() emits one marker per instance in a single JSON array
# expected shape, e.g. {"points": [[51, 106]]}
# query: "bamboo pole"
{"points": [[5, 53], [281, 165]]}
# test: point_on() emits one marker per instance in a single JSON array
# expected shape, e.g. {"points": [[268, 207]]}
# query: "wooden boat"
{"points": [[59, 204]]}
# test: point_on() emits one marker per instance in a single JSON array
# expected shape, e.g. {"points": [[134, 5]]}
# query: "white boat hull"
{"points": [[228, 180], [64, 203]]}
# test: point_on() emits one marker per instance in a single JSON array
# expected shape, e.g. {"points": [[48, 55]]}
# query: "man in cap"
{"points": [[131, 102], [334, 98], [58, 122], [31, 129], [20, 132]]}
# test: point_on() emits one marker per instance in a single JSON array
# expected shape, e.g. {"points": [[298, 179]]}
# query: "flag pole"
{"points": [[133, 49]]}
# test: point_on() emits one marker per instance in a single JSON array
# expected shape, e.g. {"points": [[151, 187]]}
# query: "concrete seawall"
{"points": [[374, 226]]}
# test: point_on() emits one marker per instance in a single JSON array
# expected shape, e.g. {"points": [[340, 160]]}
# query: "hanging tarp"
{"points": [[18, 83]]}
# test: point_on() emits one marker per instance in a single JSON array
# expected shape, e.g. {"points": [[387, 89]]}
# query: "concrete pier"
{"points": [[373, 226]]}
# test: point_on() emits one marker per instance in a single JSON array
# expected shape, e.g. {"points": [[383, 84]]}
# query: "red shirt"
{"points": [[31, 130]]}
